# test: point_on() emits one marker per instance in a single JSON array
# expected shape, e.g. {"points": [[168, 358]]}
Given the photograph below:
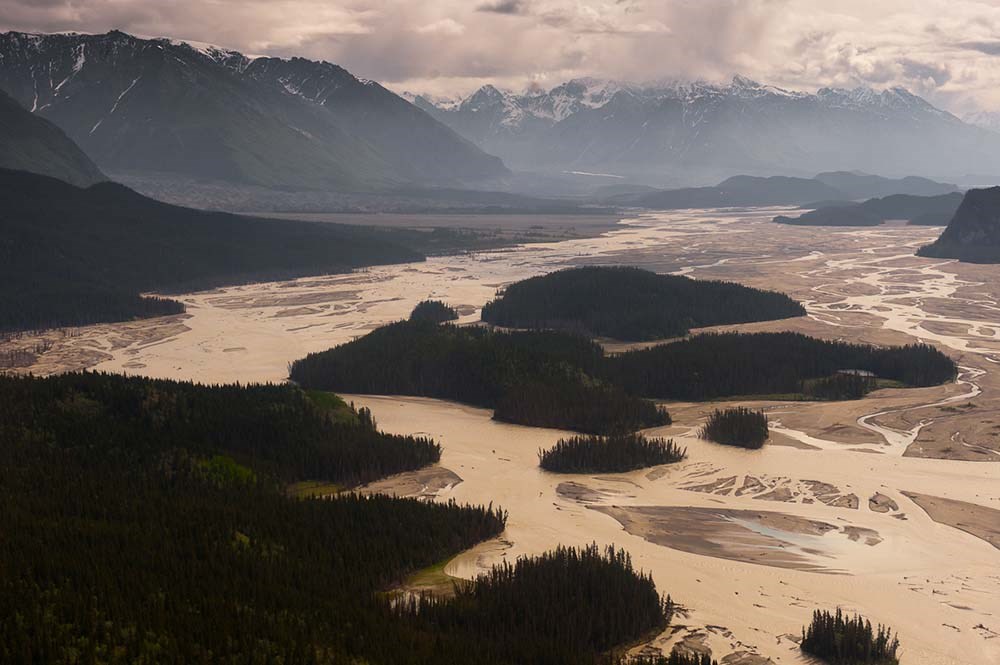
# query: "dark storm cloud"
{"points": [[504, 7], [987, 47]]}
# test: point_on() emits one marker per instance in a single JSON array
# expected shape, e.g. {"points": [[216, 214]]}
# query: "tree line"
{"points": [[736, 426], [839, 639], [434, 311], [631, 303], [613, 454]]}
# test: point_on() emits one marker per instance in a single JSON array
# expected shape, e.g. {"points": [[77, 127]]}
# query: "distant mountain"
{"points": [[857, 185], [71, 255], [32, 143], [160, 106], [986, 119], [736, 191], [819, 192], [683, 130], [917, 210], [973, 234]]}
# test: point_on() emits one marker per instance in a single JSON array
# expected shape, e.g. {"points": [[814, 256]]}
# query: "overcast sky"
{"points": [[946, 50]]}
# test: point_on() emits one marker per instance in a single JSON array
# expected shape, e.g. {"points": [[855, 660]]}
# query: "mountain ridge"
{"points": [[140, 105], [700, 130]]}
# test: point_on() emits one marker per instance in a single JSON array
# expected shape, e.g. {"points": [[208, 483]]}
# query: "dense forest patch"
{"points": [[631, 304], [713, 366], [434, 311], [545, 379], [571, 603], [843, 640], [275, 429], [612, 454], [137, 528], [737, 426], [554, 379]]}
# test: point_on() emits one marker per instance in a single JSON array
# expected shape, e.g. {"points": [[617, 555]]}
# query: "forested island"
{"points": [[139, 474], [612, 454], [509, 613], [838, 639], [544, 379], [781, 365], [736, 426], [434, 311], [631, 304], [554, 379]]}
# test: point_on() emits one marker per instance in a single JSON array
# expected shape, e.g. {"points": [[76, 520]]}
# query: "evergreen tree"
{"points": [[736, 426]]}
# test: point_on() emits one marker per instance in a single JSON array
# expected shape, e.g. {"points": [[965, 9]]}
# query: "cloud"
{"points": [[944, 49], [988, 47], [504, 7], [445, 26]]}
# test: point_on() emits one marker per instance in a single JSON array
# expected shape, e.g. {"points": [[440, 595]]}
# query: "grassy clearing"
{"points": [[311, 489], [335, 408], [433, 580]]}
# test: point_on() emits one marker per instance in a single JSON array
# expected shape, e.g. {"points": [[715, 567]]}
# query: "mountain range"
{"points": [[838, 188], [157, 106], [686, 131]]}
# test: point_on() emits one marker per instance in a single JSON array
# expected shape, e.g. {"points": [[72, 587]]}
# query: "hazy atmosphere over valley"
{"points": [[501, 332]]}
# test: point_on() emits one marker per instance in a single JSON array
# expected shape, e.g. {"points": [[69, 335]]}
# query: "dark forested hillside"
{"points": [[531, 378], [75, 256], [145, 521], [631, 304], [724, 365], [31, 143], [973, 234], [612, 454]]}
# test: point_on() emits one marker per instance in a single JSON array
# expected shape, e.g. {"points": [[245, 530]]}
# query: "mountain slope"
{"points": [[155, 105], [698, 130], [31, 143], [70, 255], [973, 234]]}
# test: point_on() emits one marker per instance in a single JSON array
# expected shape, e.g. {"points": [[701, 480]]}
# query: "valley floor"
{"points": [[886, 505]]}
